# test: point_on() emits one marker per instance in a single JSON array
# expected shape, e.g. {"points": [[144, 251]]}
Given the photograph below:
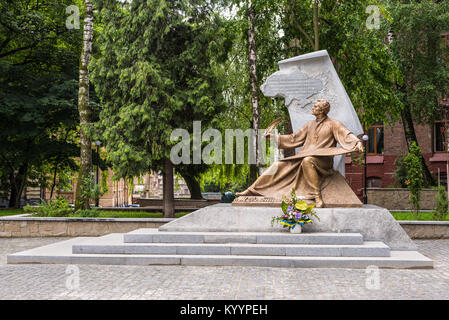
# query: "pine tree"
{"points": [[156, 74]]}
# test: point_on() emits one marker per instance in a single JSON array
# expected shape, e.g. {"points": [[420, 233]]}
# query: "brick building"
{"points": [[386, 143]]}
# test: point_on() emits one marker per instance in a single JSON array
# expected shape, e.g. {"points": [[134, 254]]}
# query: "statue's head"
{"points": [[322, 106]]}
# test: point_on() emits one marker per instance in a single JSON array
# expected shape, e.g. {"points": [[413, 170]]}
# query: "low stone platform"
{"points": [[223, 235], [374, 223], [152, 247]]}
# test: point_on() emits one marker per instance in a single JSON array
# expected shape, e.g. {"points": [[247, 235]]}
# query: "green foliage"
{"points": [[135, 214], [211, 186], [417, 49], [408, 215], [38, 92], [400, 174], [156, 72], [104, 184], [59, 207], [362, 58], [87, 213], [410, 174], [358, 160], [92, 190], [222, 178], [10, 212], [441, 208]]}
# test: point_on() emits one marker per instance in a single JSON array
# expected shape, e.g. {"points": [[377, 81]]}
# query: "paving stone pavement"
{"points": [[203, 283]]}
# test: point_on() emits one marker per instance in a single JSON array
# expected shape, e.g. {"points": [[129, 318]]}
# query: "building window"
{"points": [[376, 138], [440, 135]]}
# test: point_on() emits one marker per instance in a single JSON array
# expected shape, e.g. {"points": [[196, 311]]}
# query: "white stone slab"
{"points": [[304, 79], [61, 253], [373, 223], [144, 236], [367, 249], [398, 259]]}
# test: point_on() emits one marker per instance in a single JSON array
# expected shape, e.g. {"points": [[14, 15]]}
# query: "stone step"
{"points": [[61, 253], [367, 249], [152, 235]]}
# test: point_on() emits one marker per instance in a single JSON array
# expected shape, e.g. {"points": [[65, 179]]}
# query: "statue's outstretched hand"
{"points": [[359, 146]]}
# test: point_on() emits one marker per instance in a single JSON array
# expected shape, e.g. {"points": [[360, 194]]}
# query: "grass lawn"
{"points": [[127, 214], [409, 215], [406, 215], [136, 214], [10, 212]]}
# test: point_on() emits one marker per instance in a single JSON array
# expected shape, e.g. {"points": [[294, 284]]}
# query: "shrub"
{"points": [[94, 191], [87, 213], [410, 174], [441, 208], [400, 174], [59, 207]]}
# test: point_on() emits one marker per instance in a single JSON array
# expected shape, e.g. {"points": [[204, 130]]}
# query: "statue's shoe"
{"points": [[243, 193], [319, 202]]}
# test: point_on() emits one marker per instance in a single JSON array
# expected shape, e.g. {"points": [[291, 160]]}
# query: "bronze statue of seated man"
{"points": [[305, 171]]}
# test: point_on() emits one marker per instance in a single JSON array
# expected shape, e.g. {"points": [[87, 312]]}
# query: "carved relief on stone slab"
{"points": [[292, 85], [304, 79]]}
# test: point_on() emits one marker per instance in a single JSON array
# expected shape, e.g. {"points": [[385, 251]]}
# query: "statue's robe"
{"points": [[311, 169]]}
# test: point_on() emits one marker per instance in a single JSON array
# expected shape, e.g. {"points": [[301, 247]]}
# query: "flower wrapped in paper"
{"points": [[295, 212]]}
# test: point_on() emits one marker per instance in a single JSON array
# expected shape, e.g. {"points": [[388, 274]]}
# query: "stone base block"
{"points": [[374, 223]]}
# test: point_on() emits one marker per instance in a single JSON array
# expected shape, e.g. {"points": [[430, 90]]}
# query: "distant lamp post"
{"points": [[97, 143], [365, 196]]}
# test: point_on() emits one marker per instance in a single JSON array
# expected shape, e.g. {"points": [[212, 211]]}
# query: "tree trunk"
{"points": [[54, 181], [193, 185], [252, 62], [83, 108], [253, 173], [315, 25], [168, 196], [18, 183], [289, 152], [13, 190], [410, 136]]}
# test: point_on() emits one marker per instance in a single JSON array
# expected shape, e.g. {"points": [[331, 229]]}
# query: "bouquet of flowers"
{"points": [[295, 211]]}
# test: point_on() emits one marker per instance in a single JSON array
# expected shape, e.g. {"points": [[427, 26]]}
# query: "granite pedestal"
{"points": [[227, 235]]}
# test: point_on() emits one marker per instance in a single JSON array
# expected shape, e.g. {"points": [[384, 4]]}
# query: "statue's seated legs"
{"points": [[303, 175], [311, 167]]}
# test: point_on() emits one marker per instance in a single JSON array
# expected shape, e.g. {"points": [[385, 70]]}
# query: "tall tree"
{"points": [[156, 74], [241, 86], [286, 28], [417, 49], [316, 28], [84, 108], [361, 55], [37, 89], [254, 87]]}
